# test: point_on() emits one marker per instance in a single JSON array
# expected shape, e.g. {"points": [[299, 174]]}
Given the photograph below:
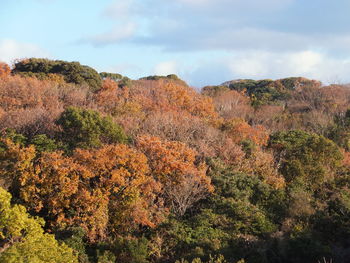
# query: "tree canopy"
{"points": [[23, 240], [72, 72]]}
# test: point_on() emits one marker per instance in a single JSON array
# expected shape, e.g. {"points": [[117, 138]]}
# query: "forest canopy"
{"points": [[100, 168]]}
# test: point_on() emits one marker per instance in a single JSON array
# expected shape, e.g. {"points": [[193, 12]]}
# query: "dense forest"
{"points": [[97, 167]]}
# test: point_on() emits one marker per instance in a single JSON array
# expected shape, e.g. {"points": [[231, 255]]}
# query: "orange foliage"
{"points": [[122, 172], [174, 165], [55, 78], [5, 70], [138, 102], [15, 162], [110, 95], [89, 189], [262, 164], [168, 96], [346, 159], [239, 130], [116, 101]]}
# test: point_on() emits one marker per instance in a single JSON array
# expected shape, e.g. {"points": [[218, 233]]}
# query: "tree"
{"points": [[15, 161], [121, 173], [170, 96], [239, 130], [88, 129], [305, 158], [93, 189], [174, 165], [72, 72], [22, 238], [112, 76]]}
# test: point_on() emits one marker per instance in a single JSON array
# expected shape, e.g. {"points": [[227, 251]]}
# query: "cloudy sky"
{"points": [[203, 41]]}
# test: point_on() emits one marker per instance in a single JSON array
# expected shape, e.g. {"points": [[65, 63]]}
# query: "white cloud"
{"points": [[261, 64], [195, 2], [117, 34], [11, 50], [308, 63], [119, 9], [166, 68], [239, 3], [267, 65]]}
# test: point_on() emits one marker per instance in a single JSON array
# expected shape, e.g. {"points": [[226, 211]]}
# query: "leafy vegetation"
{"points": [[22, 237], [72, 72], [102, 168]]}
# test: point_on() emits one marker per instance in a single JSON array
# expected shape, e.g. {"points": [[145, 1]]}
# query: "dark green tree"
{"points": [[88, 129], [304, 158], [112, 76], [73, 72]]}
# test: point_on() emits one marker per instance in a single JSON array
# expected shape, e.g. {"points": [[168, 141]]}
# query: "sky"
{"points": [[204, 42]]}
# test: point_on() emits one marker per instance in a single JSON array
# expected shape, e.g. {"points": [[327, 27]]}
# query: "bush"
{"points": [[88, 129]]}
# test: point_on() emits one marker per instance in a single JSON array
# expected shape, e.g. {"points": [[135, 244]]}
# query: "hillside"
{"points": [[97, 167]]}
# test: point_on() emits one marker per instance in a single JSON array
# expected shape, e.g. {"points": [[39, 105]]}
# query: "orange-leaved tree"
{"points": [[173, 164], [239, 130], [122, 172], [93, 189]]}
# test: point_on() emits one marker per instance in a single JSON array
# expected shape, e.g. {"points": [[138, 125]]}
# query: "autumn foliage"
{"points": [[174, 165], [5, 70], [88, 188], [152, 170]]}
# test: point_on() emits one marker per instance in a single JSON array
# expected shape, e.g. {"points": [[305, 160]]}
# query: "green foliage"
{"points": [[171, 77], [242, 209], [22, 238], [306, 248], [156, 77], [120, 79], [340, 131], [137, 250], [43, 144], [261, 91], [88, 129], [132, 250], [296, 82], [217, 259], [248, 146], [106, 257], [193, 237], [14, 136], [124, 82], [112, 76], [248, 204], [73, 237], [268, 91], [73, 72], [305, 158]]}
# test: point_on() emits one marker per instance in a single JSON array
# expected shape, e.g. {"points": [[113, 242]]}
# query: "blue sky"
{"points": [[203, 41]]}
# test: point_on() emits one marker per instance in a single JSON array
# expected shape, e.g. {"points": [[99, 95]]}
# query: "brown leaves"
{"points": [[31, 106]]}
